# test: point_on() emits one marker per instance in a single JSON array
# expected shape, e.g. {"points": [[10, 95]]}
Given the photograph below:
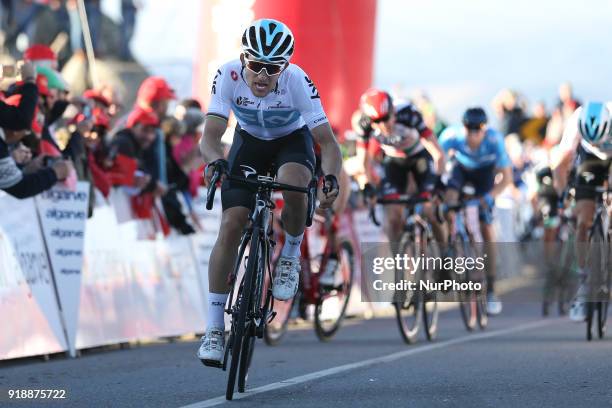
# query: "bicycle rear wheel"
{"points": [[407, 302], [481, 302], [599, 293], [430, 297], [468, 304], [602, 318], [590, 312], [239, 326], [330, 310], [276, 329]]}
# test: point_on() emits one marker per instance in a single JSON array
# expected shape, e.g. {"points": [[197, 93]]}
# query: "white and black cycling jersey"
{"points": [[294, 102], [408, 130]]}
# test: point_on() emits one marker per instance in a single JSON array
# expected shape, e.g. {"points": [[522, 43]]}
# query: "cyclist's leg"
{"points": [[483, 180], [395, 182], [295, 160], [425, 178], [454, 183], [591, 173]]}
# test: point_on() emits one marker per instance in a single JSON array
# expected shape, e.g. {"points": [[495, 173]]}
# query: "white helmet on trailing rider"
{"points": [[594, 123]]}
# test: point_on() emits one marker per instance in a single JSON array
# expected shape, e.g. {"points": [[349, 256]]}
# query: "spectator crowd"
{"points": [[49, 135]]}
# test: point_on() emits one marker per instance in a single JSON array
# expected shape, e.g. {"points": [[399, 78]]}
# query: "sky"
{"points": [[461, 52]]}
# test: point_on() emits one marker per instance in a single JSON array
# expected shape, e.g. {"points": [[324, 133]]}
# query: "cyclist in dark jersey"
{"points": [[397, 136]]}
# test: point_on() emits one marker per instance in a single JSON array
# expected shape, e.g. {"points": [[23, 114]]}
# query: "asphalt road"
{"points": [[521, 360]]}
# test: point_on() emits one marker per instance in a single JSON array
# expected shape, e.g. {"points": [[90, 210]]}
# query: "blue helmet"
{"points": [[474, 118], [268, 40], [594, 123]]}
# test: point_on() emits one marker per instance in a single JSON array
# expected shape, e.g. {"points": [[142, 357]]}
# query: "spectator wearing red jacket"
{"points": [[127, 152]]}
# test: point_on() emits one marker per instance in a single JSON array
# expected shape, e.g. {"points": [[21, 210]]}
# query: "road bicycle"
{"points": [[416, 241], [598, 262], [250, 304], [330, 299], [465, 241]]}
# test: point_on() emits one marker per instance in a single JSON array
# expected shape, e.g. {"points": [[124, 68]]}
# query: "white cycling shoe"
{"points": [[212, 349], [287, 278], [577, 312], [494, 305]]}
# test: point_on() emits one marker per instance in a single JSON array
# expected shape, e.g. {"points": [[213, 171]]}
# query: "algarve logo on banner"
{"points": [[62, 214]]}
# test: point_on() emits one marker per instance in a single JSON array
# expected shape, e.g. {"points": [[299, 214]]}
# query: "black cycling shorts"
{"points": [[591, 172], [483, 178], [249, 155], [397, 171]]}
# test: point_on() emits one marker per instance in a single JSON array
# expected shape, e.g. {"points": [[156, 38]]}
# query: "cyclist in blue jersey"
{"points": [[280, 116], [478, 156]]}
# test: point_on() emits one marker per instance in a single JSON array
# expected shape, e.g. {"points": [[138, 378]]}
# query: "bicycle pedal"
{"points": [[271, 317]]}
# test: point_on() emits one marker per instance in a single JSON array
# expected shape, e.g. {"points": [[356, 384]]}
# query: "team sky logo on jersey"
{"points": [[313, 89], [279, 105], [244, 101], [266, 119], [214, 85]]}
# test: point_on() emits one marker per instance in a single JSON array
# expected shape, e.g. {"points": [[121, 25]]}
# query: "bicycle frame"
{"points": [[260, 220]]}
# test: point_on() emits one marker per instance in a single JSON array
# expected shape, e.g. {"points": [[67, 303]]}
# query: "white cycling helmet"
{"points": [[594, 123], [268, 40]]}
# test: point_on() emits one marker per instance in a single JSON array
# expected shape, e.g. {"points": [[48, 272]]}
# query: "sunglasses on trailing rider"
{"points": [[256, 67], [380, 120]]}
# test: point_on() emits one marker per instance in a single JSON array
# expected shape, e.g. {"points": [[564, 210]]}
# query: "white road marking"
{"points": [[372, 361]]}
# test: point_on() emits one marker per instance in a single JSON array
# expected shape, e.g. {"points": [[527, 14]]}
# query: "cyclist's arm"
{"points": [[506, 180], [563, 159], [217, 116], [435, 150], [373, 155], [331, 157], [561, 168], [308, 103], [210, 142], [504, 166]]}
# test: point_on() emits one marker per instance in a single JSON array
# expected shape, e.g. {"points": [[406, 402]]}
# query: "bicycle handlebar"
{"points": [[266, 183], [404, 199]]}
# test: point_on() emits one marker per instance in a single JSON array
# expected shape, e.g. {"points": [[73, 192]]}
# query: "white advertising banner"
{"points": [[203, 243], [62, 216], [136, 289], [31, 323], [106, 293]]}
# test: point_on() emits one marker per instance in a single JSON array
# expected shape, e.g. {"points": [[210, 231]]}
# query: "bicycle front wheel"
{"points": [[467, 298], [239, 326], [407, 302], [430, 297]]}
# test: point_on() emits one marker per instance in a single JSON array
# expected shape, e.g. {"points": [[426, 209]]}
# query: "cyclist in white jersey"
{"points": [[586, 145], [279, 113]]}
